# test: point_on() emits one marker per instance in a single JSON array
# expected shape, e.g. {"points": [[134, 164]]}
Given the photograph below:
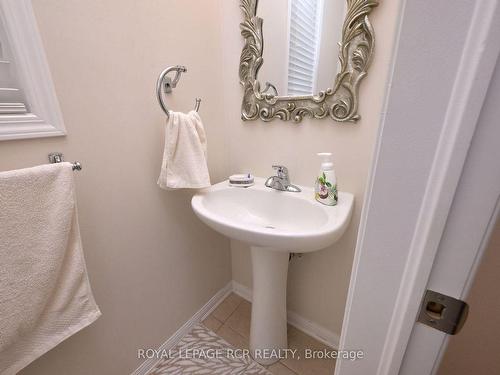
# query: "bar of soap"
{"points": [[241, 180]]}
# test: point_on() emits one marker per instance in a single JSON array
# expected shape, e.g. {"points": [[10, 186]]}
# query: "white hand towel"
{"points": [[185, 155], [45, 295]]}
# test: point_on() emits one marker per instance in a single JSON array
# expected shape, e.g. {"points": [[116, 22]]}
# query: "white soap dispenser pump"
{"points": [[325, 190]]}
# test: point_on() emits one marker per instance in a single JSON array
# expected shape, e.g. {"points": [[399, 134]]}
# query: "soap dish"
{"points": [[241, 180]]}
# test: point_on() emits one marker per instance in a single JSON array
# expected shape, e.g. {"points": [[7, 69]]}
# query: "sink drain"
{"points": [[269, 227]]}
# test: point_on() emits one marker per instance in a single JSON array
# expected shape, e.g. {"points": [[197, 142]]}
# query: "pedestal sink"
{"points": [[274, 223]]}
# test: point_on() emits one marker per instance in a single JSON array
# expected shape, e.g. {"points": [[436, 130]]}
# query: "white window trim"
{"points": [[45, 118]]}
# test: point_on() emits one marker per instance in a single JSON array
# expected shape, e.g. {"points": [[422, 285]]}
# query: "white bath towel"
{"points": [[185, 155], [45, 295]]}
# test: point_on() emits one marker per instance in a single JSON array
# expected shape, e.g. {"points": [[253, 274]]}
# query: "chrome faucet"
{"points": [[282, 180]]}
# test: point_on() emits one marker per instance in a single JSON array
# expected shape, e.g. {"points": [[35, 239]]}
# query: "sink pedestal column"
{"points": [[268, 330]]}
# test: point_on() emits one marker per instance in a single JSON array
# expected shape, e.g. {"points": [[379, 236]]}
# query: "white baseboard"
{"points": [[314, 330], [320, 333], [243, 291], [198, 317]]}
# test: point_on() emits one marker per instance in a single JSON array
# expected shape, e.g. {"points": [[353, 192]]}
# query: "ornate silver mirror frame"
{"points": [[339, 102]]}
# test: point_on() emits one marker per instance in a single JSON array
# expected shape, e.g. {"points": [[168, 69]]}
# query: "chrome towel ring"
{"points": [[166, 84]]}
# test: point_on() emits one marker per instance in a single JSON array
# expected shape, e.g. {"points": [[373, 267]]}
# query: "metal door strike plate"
{"points": [[443, 312]]}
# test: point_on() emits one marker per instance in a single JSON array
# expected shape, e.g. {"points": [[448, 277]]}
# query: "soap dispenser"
{"points": [[325, 190]]}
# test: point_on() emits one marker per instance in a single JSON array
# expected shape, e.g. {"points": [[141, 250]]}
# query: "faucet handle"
{"points": [[281, 171]]}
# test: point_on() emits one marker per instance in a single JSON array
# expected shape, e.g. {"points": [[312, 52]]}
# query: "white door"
{"points": [[430, 165], [472, 216]]}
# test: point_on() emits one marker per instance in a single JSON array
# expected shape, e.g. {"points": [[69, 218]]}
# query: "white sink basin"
{"points": [[274, 223], [286, 221]]}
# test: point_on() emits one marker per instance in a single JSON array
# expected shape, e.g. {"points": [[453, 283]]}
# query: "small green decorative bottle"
{"points": [[325, 190]]}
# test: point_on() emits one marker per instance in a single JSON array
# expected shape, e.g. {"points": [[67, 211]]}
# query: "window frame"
{"points": [[45, 118]]}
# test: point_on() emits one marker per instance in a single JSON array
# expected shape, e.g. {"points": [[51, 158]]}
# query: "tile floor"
{"points": [[231, 321]]}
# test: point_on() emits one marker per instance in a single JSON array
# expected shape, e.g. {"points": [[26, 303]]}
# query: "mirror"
{"points": [[301, 44], [316, 54]]}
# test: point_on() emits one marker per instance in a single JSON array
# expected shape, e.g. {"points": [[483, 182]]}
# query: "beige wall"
{"points": [[152, 264], [475, 349], [318, 282]]}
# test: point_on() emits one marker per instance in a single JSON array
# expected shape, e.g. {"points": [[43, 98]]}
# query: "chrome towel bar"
{"points": [[58, 157], [166, 84]]}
